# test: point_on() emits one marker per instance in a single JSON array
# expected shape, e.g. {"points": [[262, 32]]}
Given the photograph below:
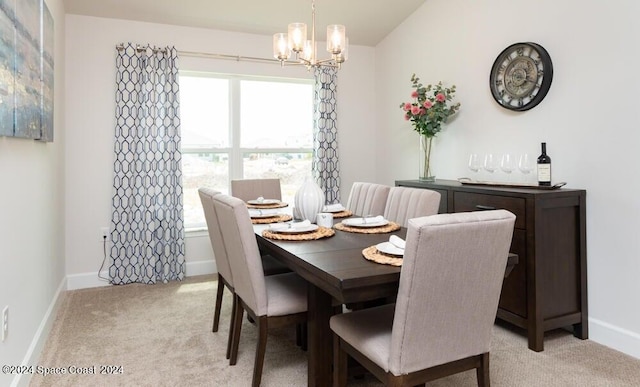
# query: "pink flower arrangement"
{"points": [[429, 109]]}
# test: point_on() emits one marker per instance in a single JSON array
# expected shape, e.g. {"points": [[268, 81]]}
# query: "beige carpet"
{"points": [[160, 335]]}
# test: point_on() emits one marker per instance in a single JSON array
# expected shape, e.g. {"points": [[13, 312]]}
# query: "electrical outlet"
{"points": [[5, 322], [104, 234]]}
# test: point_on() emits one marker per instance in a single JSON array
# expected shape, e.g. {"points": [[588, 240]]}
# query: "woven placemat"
{"points": [[272, 219], [372, 254], [321, 232], [342, 214], [392, 226], [271, 205]]}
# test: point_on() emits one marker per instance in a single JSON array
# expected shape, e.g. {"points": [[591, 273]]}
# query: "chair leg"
{"points": [[482, 372], [304, 336], [237, 327], [261, 348], [299, 335], [231, 325], [339, 364], [216, 313]]}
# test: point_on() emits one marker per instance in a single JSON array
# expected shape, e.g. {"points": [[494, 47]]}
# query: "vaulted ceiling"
{"points": [[367, 21]]}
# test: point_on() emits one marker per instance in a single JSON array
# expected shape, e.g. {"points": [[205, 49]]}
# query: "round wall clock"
{"points": [[521, 76]]}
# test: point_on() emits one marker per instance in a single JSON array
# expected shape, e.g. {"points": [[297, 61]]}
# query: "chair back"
{"points": [[368, 198], [405, 203], [248, 189], [450, 285], [242, 250], [215, 235]]}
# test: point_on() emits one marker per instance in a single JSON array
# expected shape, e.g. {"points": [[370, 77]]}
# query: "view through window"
{"points": [[236, 127]]}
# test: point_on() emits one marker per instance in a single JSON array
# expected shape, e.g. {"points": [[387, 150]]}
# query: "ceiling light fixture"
{"points": [[305, 50]]}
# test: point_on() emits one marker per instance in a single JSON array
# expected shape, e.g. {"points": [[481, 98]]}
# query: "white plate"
{"points": [[255, 215], [357, 222], [264, 201], [295, 230], [389, 248], [334, 210]]}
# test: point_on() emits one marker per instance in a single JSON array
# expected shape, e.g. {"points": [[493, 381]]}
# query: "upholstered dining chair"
{"points": [[367, 198], [222, 260], [248, 189], [404, 203], [272, 301], [447, 301]]}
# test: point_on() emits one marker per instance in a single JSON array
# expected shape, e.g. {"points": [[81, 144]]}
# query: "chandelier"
{"points": [[306, 50]]}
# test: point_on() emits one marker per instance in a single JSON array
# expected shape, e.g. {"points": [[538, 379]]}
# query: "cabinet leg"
{"points": [[536, 339], [581, 331]]}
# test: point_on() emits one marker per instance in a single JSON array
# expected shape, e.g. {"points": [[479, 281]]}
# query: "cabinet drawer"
{"points": [[465, 201]]}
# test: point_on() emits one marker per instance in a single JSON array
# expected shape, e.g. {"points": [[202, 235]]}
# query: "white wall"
{"points": [[90, 108], [31, 226], [589, 119]]}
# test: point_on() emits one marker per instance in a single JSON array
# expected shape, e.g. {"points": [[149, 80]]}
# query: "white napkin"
{"points": [[397, 242], [290, 226], [260, 199], [333, 207], [373, 219], [253, 212]]}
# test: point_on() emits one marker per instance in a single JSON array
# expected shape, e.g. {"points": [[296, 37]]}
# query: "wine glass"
{"points": [[474, 162], [525, 164], [507, 163], [490, 162]]}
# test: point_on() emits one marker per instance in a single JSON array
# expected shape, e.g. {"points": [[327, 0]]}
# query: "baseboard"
{"points": [[201, 268], [614, 337], [40, 338], [91, 280]]}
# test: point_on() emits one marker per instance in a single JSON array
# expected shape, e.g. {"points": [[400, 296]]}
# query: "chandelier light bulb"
{"points": [[307, 52], [336, 36], [281, 46], [297, 36]]}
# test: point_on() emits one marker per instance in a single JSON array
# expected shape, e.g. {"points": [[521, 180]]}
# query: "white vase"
{"points": [[309, 200]]}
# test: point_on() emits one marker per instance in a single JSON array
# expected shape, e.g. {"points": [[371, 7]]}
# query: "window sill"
{"points": [[196, 232]]}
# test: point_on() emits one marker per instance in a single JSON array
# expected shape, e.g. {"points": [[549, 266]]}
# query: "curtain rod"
{"points": [[197, 54]]}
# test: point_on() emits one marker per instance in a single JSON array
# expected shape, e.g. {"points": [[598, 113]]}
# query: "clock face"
{"points": [[521, 76]]}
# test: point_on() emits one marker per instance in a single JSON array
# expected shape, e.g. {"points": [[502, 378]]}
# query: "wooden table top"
{"points": [[336, 264]]}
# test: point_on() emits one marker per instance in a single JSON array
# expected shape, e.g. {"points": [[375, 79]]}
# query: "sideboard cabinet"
{"points": [[547, 289]]}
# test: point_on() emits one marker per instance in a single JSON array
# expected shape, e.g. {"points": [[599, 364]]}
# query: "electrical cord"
{"points": [[104, 257]]}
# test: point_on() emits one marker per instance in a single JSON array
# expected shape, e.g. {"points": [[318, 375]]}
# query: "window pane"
{"points": [[204, 112], [290, 168], [276, 114], [209, 170]]}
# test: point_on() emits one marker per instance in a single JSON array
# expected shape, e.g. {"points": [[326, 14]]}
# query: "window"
{"points": [[236, 127]]}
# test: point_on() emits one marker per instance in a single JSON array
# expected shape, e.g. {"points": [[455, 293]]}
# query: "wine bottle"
{"points": [[544, 167]]}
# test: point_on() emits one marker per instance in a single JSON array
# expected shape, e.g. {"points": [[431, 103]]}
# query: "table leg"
{"points": [[320, 352]]}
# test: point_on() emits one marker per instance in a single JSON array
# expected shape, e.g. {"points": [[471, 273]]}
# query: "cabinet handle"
{"points": [[484, 208]]}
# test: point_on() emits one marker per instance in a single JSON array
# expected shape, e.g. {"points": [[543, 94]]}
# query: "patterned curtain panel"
{"points": [[325, 166], [147, 230]]}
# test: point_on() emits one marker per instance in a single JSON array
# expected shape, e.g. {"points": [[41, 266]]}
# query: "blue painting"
{"points": [[7, 66], [26, 69], [46, 124], [27, 89]]}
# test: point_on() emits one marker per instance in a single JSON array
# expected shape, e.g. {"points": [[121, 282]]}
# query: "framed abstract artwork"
{"points": [[26, 69], [46, 123], [7, 66]]}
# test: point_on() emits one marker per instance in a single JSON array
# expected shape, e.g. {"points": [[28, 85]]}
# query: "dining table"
{"points": [[337, 273]]}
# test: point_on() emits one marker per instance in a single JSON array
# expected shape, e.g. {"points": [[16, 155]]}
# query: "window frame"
{"points": [[234, 151]]}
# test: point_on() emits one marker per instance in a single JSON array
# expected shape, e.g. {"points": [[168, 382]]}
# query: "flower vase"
{"points": [[309, 200], [425, 158]]}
